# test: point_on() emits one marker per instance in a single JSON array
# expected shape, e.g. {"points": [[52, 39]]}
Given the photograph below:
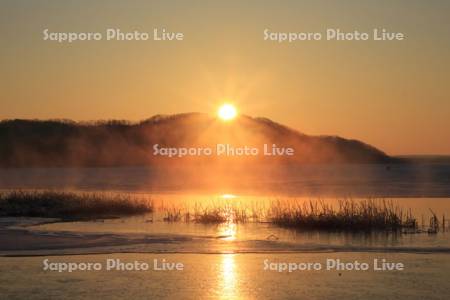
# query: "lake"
{"points": [[227, 260]]}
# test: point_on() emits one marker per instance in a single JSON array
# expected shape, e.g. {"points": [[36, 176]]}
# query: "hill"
{"points": [[57, 143]]}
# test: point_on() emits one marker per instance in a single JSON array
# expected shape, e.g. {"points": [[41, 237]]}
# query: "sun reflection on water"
{"points": [[227, 231], [228, 277]]}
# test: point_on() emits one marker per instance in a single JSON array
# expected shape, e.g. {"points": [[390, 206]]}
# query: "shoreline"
{"points": [[28, 242]]}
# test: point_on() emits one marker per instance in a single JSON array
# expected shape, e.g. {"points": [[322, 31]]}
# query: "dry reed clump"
{"points": [[173, 215], [347, 215], [215, 214], [71, 205], [364, 215]]}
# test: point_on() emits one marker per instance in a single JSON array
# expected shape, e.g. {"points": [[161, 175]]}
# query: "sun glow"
{"points": [[227, 196], [227, 112]]}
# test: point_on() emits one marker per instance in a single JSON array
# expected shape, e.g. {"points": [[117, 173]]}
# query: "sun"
{"points": [[227, 112]]}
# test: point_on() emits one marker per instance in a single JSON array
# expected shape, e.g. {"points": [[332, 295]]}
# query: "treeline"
{"points": [[58, 143]]}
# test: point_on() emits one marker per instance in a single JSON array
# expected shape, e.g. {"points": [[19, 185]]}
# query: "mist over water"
{"points": [[347, 180]]}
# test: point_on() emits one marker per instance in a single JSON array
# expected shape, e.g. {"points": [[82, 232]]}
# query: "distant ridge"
{"points": [[57, 143]]}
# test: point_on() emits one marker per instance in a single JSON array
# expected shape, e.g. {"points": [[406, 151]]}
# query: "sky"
{"points": [[392, 94]]}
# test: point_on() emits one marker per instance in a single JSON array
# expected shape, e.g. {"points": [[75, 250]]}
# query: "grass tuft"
{"points": [[69, 205], [350, 215]]}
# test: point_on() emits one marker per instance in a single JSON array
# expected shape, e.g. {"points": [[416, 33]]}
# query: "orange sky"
{"points": [[393, 95]]}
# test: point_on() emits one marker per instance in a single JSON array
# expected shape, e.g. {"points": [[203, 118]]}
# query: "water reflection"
{"points": [[228, 278], [227, 231]]}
